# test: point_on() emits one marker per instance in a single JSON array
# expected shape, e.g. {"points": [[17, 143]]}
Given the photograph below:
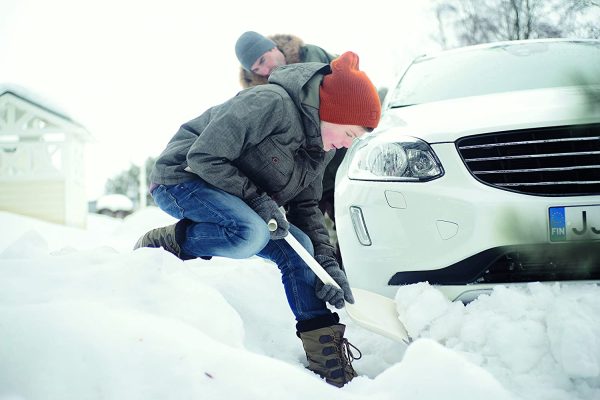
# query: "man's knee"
{"points": [[250, 242]]}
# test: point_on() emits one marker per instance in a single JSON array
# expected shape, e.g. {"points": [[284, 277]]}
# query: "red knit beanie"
{"points": [[347, 95]]}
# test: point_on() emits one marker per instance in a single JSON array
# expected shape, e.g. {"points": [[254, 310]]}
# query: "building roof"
{"points": [[28, 96], [36, 99]]}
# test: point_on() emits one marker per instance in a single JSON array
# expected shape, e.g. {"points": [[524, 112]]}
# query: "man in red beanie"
{"points": [[228, 172]]}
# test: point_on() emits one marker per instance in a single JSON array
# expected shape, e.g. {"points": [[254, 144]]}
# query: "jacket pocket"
{"points": [[267, 165]]}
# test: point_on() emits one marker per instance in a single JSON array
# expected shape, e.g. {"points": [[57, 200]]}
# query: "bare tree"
{"points": [[481, 21], [440, 14], [581, 4]]}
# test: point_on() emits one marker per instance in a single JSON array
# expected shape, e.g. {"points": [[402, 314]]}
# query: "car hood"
{"points": [[449, 120]]}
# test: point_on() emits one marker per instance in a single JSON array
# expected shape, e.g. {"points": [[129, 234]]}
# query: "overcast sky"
{"points": [[132, 71]]}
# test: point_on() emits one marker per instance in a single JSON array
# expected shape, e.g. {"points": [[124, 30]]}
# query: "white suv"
{"points": [[485, 170]]}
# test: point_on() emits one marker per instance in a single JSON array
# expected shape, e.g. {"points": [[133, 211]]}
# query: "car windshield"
{"points": [[502, 68]]}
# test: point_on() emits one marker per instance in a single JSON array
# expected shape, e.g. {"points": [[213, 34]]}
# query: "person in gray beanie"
{"points": [[251, 46], [259, 55]]}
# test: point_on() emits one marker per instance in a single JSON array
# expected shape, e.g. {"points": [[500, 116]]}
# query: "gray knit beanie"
{"points": [[250, 46]]}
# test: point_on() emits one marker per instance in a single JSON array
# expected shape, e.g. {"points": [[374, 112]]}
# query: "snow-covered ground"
{"points": [[84, 317]]}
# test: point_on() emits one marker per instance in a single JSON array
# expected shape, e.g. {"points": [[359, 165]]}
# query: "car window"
{"points": [[502, 68]]}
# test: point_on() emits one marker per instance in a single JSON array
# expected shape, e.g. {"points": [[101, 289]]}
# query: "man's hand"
{"points": [[268, 210], [330, 293]]}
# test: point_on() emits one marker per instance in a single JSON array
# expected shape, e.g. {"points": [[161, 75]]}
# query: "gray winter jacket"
{"points": [[265, 141]]}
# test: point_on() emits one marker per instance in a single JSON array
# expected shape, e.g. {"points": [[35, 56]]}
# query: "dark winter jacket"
{"points": [[265, 141]]}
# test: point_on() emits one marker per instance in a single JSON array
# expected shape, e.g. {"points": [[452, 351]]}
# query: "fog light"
{"points": [[360, 228]]}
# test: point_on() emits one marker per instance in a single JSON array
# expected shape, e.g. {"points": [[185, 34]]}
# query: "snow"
{"points": [[82, 316]]}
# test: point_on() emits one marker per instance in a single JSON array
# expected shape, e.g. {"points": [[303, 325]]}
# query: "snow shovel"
{"points": [[370, 310]]}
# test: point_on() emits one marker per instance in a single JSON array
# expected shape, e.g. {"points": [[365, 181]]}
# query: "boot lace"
{"points": [[168, 242], [347, 354]]}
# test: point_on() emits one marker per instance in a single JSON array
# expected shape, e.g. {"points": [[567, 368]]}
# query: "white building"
{"points": [[41, 159]]}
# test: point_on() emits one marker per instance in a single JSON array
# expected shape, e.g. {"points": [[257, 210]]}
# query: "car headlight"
{"points": [[392, 158]]}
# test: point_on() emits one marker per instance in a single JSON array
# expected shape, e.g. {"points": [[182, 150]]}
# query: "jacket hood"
{"points": [[290, 46], [302, 82], [295, 77]]}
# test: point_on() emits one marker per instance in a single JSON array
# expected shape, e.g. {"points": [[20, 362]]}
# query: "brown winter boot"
{"points": [[167, 237], [329, 354]]}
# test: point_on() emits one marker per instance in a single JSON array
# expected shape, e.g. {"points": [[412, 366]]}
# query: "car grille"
{"points": [[556, 161], [519, 263], [578, 261]]}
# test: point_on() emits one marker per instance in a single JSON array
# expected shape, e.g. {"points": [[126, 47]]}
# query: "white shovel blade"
{"points": [[370, 310], [377, 313]]}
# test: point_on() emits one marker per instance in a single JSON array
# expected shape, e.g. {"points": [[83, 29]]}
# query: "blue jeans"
{"points": [[224, 225]]}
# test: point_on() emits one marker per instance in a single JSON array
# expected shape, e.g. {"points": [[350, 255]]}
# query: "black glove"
{"points": [[330, 293], [267, 209]]}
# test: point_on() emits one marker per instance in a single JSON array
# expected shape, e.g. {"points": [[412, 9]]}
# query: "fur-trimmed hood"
{"points": [[293, 49]]}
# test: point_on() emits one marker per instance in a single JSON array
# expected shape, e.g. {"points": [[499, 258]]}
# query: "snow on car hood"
{"points": [[449, 120]]}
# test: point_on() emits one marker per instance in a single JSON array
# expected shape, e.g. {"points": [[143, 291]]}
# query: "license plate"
{"points": [[574, 223]]}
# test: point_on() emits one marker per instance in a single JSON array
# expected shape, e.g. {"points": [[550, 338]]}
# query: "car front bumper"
{"points": [[421, 227]]}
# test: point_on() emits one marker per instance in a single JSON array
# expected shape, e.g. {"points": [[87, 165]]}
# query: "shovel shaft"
{"points": [[306, 257]]}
